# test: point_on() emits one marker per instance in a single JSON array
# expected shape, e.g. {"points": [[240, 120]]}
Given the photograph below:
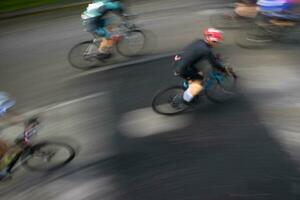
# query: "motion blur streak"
{"points": [[245, 149]]}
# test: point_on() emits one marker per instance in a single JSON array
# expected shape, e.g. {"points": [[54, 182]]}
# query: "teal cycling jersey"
{"points": [[100, 8], [94, 20]]}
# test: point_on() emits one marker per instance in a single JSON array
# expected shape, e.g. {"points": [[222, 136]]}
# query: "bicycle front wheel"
{"points": [[132, 43], [49, 156], [81, 55], [169, 101]]}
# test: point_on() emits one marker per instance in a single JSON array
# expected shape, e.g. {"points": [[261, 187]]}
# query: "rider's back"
{"points": [[194, 52]]}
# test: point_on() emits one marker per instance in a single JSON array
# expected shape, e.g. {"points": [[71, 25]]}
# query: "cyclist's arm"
{"points": [[116, 7], [215, 62]]}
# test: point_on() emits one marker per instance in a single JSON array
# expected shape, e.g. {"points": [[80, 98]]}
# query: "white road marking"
{"points": [[119, 65]]}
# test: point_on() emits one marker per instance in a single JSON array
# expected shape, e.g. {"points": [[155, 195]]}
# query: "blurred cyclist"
{"points": [[246, 8], [197, 51], [279, 12], [6, 103], [96, 21]]}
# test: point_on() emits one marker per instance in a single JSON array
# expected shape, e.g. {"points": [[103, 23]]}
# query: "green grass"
{"points": [[12, 5]]}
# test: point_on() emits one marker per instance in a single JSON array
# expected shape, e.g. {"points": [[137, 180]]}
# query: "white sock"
{"points": [[187, 96]]}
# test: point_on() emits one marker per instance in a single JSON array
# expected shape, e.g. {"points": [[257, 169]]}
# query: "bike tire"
{"points": [[157, 107], [125, 46], [34, 162], [76, 57], [221, 92], [254, 39]]}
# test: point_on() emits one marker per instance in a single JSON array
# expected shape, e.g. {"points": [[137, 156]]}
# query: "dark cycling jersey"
{"points": [[197, 51]]}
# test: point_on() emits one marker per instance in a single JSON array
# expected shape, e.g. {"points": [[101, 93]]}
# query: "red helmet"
{"points": [[213, 35]]}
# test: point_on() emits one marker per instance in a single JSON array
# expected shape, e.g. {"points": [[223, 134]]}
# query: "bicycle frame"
{"points": [[208, 81], [117, 34], [218, 76], [24, 145]]}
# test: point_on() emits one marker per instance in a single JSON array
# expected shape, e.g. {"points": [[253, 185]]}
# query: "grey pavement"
{"points": [[246, 149]]}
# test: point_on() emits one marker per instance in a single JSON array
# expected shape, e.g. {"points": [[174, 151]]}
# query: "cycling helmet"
{"points": [[213, 35], [5, 103]]}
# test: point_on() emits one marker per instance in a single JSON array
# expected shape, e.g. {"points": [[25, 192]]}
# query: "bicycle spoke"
{"points": [[49, 156]]}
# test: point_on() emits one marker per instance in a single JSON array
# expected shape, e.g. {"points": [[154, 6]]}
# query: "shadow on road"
{"points": [[224, 153]]}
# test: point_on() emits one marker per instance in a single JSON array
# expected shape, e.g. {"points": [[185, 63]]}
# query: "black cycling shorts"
{"points": [[191, 73]]}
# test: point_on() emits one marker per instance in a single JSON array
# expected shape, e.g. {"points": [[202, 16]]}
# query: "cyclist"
{"points": [[199, 50], [5, 151], [95, 19], [279, 12], [9, 154], [246, 8]]}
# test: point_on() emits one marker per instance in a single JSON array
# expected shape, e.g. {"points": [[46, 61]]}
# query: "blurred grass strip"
{"points": [[13, 5]]}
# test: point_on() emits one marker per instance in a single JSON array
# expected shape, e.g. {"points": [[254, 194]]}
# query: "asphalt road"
{"points": [[245, 149]]}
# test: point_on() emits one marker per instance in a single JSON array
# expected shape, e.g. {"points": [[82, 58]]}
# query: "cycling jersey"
{"points": [[197, 51], [93, 18]]}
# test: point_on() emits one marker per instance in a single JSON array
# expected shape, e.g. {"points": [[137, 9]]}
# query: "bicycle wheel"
{"points": [[169, 101], [49, 156], [223, 90], [132, 43], [81, 55], [254, 38]]}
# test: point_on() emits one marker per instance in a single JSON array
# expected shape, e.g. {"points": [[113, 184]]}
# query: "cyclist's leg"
{"points": [[195, 84], [103, 32], [282, 23], [283, 19], [106, 42], [106, 45], [194, 89], [245, 10]]}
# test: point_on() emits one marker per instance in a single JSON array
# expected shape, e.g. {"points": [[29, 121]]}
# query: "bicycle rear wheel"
{"points": [[169, 101], [81, 55], [222, 91], [132, 43], [49, 156]]}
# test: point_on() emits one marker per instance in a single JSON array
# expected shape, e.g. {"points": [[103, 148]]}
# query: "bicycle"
{"points": [[129, 41], [233, 20], [262, 33], [38, 157], [218, 87]]}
